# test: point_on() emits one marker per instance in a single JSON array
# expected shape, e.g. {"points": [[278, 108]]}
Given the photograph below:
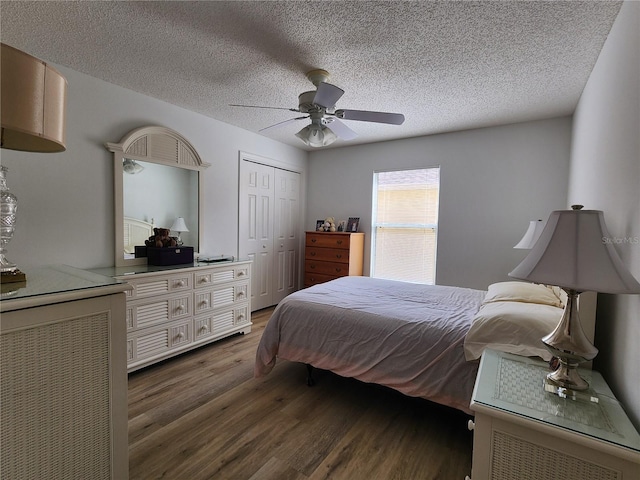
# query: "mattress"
{"points": [[405, 336]]}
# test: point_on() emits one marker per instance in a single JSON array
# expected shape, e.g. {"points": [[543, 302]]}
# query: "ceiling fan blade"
{"points": [[341, 130], [271, 108], [327, 95], [282, 124], [366, 116]]}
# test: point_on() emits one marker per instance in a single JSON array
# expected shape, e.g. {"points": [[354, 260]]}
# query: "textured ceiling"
{"points": [[445, 65]]}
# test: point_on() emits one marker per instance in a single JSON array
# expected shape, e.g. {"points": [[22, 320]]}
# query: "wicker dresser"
{"points": [[330, 255], [523, 432], [64, 378]]}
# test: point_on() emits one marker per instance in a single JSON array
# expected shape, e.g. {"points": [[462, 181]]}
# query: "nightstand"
{"points": [[522, 432]]}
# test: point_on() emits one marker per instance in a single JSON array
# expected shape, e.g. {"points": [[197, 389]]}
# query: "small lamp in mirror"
{"points": [[179, 226]]}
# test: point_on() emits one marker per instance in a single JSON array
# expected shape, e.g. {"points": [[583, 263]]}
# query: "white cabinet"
{"points": [[173, 309], [521, 431], [64, 381]]}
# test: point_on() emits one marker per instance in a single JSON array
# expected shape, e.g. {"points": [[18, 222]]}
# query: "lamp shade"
{"points": [[317, 135], [33, 103], [575, 251], [179, 225], [531, 235]]}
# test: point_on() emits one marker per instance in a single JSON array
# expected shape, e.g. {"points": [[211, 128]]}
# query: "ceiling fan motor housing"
{"points": [[305, 102]]}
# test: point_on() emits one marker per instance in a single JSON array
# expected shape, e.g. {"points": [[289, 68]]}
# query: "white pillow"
{"points": [[513, 327], [522, 292]]}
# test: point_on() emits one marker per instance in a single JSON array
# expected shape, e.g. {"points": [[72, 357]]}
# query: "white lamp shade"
{"points": [[316, 135], [33, 103], [531, 235], [575, 251], [179, 225]]}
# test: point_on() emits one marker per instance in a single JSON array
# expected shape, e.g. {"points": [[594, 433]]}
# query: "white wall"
{"points": [[493, 182], [605, 175], [65, 200]]}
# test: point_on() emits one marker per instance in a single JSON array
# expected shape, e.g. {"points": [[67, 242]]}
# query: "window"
{"points": [[405, 224]]}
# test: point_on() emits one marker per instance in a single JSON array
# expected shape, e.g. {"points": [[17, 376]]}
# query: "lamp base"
{"points": [[570, 345], [566, 393], [566, 376]]}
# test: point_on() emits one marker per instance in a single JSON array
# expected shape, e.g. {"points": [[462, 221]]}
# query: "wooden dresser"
{"points": [[330, 255]]}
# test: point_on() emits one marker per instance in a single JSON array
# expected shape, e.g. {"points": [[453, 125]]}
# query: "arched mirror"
{"points": [[158, 182]]}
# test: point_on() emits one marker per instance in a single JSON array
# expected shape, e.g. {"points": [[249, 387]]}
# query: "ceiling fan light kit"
{"points": [[320, 106]]}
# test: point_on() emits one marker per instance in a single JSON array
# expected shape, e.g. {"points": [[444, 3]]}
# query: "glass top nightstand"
{"points": [[515, 385]]}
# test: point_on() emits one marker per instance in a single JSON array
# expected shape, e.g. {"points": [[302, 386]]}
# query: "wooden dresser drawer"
{"points": [[327, 268], [314, 278], [326, 254], [328, 240]]}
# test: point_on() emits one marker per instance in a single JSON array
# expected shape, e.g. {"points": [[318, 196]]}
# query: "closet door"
{"points": [[256, 222], [286, 238], [269, 229]]}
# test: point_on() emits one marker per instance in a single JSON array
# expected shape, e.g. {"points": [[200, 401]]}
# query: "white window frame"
{"points": [[375, 224]]}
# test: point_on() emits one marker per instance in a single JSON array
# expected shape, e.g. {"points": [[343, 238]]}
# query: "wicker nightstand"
{"points": [[521, 432]]}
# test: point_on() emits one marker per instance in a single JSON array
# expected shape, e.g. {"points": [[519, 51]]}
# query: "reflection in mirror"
{"points": [[154, 195]]}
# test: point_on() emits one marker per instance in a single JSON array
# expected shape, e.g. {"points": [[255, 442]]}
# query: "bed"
{"points": [[422, 340]]}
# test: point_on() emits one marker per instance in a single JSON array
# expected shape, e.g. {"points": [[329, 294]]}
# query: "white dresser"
{"points": [[522, 432], [173, 309], [64, 381]]}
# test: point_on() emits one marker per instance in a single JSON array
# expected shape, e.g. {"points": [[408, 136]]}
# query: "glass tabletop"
{"points": [[516, 385]]}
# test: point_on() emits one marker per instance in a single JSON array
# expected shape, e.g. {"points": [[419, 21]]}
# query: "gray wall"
{"points": [[493, 182], [65, 200], [605, 175]]}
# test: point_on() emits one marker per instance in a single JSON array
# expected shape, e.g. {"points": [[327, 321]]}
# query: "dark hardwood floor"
{"points": [[202, 415]]}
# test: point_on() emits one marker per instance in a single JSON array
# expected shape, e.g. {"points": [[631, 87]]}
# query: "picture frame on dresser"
{"points": [[352, 224]]}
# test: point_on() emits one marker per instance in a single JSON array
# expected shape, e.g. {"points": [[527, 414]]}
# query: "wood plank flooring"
{"points": [[202, 415]]}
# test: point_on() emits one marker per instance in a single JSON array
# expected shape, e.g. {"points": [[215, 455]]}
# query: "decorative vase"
{"points": [[8, 207]]}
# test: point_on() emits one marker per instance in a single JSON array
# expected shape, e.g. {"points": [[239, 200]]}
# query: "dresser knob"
{"points": [[180, 283], [241, 316], [313, 240], [339, 255], [313, 254], [180, 335], [181, 308], [471, 425], [240, 294], [339, 242], [205, 302], [205, 280], [241, 273]]}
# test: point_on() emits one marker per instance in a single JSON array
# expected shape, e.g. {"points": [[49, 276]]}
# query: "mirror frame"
{"points": [[156, 145]]}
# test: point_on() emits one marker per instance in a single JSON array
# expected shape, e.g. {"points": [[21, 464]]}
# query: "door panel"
{"points": [[269, 207]]}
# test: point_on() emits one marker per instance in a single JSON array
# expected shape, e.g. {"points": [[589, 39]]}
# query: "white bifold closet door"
{"points": [[268, 223]]}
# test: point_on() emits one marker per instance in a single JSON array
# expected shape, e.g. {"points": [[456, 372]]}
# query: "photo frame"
{"points": [[319, 224], [352, 224]]}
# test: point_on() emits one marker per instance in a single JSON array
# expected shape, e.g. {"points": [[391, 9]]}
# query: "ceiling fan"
{"points": [[320, 106]]}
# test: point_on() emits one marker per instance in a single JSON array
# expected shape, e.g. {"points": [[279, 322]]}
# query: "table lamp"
{"points": [[179, 226], [574, 252], [33, 97]]}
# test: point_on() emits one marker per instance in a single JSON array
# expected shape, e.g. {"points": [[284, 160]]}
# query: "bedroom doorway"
{"points": [[268, 224]]}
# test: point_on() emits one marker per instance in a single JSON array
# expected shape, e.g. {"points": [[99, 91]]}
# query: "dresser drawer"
{"points": [[157, 285], [150, 342], [217, 276], [326, 254], [220, 322], [311, 279], [143, 314], [328, 240], [327, 268]]}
